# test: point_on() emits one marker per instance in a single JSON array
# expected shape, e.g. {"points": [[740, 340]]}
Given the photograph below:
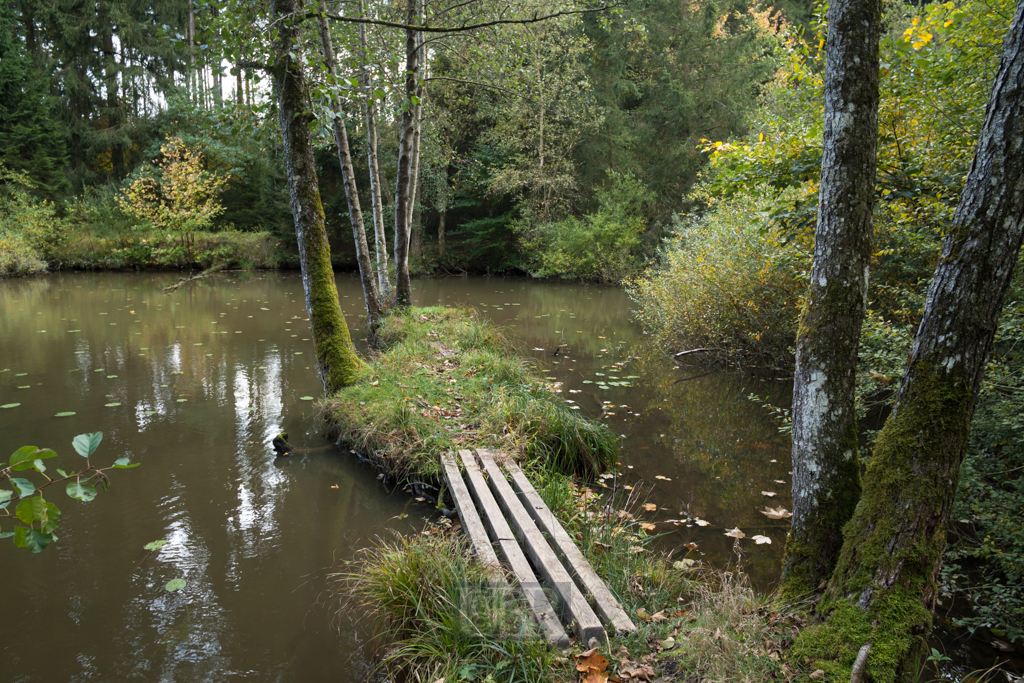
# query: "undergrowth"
{"points": [[446, 380]]}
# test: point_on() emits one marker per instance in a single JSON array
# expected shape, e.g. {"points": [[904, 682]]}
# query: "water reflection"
{"points": [[195, 383]]}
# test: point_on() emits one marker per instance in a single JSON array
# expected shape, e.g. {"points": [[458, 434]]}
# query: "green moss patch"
{"points": [[446, 380]]}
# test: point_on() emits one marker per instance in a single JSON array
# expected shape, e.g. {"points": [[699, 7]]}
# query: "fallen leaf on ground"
{"points": [[776, 513], [761, 540], [735, 533], [684, 563], [817, 675], [593, 666]]}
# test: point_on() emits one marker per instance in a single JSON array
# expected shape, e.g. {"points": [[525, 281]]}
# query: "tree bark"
{"points": [[370, 112], [355, 211], [403, 191], [885, 583], [414, 228], [826, 467], [441, 234], [337, 361]]}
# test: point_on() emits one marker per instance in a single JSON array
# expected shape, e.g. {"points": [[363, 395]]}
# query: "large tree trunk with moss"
{"points": [[370, 112], [355, 211], [826, 467], [336, 358], [403, 191], [885, 584]]}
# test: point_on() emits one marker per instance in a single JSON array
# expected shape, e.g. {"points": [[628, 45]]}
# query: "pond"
{"points": [[194, 383]]}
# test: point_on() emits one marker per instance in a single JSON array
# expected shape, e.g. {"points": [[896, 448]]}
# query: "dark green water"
{"points": [[205, 376]]}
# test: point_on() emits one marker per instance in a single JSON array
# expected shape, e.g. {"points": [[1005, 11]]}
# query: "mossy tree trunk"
{"points": [[885, 584], [403, 185], [355, 211], [336, 358], [826, 468]]}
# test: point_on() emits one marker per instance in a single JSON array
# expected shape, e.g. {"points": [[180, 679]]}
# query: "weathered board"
{"points": [[574, 606], [502, 535], [604, 602], [471, 518]]}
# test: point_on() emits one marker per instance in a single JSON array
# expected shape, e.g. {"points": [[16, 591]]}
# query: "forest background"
{"points": [[674, 146]]}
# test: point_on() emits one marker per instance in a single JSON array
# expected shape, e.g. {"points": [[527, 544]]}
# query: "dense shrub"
{"points": [[728, 282], [30, 230]]}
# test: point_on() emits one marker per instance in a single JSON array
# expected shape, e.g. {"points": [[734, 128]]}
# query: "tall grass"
{"points": [[440, 615]]}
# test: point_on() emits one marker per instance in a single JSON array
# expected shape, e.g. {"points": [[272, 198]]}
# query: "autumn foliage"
{"points": [[175, 195]]}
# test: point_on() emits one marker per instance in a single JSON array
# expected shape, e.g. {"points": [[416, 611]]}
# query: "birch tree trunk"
{"points": [[355, 211], [336, 357], [403, 291], [826, 467], [885, 583], [370, 112], [413, 215]]}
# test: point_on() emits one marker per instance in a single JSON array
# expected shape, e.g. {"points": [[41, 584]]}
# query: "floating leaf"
{"points": [[701, 522], [64, 414], [111, 405], [662, 478], [180, 400], [761, 540], [155, 545], [10, 405], [647, 526], [735, 533], [175, 585], [305, 398], [650, 507], [776, 513], [770, 494]]}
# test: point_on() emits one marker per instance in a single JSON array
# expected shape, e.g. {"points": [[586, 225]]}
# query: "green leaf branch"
{"points": [[35, 518]]}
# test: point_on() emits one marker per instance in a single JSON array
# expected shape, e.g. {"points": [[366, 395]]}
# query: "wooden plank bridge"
{"points": [[531, 542]]}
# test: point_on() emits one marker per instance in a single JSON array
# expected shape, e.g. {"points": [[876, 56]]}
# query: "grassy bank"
{"points": [[446, 380]]}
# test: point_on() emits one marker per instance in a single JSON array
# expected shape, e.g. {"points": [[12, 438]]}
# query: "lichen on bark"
{"points": [[826, 482]]}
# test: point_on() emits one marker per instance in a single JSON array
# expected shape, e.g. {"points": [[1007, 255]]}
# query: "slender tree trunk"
{"points": [[238, 86], [192, 78], [370, 112], [826, 466], [336, 357], [440, 233], [355, 211], [115, 112], [885, 583], [403, 184], [414, 227]]}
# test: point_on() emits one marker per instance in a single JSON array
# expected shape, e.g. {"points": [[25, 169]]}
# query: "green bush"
{"points": [[604, 246], [30, 230], [728, 282]]}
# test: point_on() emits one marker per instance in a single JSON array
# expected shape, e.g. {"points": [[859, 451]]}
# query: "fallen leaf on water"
{"points": [[776, 513], [778, 481], [770, 494], [735, 533], [662, 478], [691, 545], [701, 522], [761, 540], [647, 526], [650, 507]]}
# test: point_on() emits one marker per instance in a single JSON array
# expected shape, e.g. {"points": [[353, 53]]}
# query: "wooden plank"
{"points": [[604, 602], [530, 587], [574, 606], [471, 519]]}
